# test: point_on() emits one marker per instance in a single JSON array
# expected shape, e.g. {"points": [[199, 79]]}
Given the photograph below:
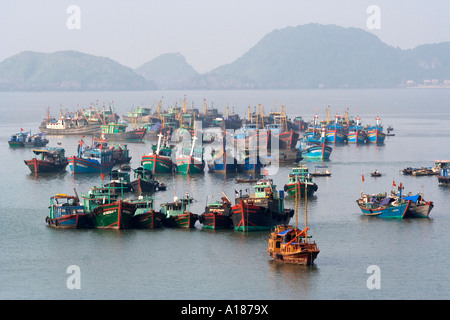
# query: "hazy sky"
{"points": [[208, 33]]}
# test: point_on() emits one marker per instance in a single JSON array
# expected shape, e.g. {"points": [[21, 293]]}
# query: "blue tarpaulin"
{"points": [[413, 198]]}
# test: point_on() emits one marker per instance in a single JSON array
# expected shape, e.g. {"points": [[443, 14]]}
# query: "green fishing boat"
{"points": [[145, 217], [177, 213], [160, 159], [106, 209], [300, 177], [191, 159]]}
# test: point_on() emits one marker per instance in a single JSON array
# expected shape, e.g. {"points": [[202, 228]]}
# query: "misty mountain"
{"points": [[314, 55], [168, 71], [307, 56], [67, 71]]}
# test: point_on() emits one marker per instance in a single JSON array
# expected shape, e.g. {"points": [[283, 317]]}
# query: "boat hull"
{"points": [[391, 211], [39, 166], [335, 137], [317, 152], [305, 257], [134, 135], [141, 185], [222, 167], [156, 163], [80, 165], [72, 221], [419, 210], [357, 137], [189, 165], [115, 215], [87, 129], [250, 217], [185, 220], [290, 188], [148, 220], [376, 136]]}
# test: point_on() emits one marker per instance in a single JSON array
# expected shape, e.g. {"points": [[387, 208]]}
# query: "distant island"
{"points": [[307, 56]]}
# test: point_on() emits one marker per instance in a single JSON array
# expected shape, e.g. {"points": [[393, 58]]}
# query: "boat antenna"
{"points": [[306, 212]]}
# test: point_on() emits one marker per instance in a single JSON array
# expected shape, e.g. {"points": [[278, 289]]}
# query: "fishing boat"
{"points": [[138, 115], [324, 172], [26, 139], [160, 159], [300, 176], [376, 173], [223, 160], [145, 217], [261, 210], [312, 148], [66, 212], [106, 209], [119, 132], [177, 213], [443, 167], [424, 172], [144, 181], [191, 160], [418, 207], [375, 133], [288, 244], [217, 215], [69, 124], [97, 158], [121, 154], [383, 206], [250, 179], [48, 160], [250, 161], [119, 181], [335, 133], [356, 134]]}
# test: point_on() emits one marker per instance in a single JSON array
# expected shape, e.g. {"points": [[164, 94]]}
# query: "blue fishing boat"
{"points": [[375, 133], [315, 149], [95, 159], [383, 206], [335, 133], [66, 212], [222, 160], [356, 133], [26, 139]]}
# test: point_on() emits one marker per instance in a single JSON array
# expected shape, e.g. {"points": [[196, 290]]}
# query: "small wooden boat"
{"points": [[300, 176], [322, 173], [50, 160], [66, 212], [289, 244], [376, 173]]}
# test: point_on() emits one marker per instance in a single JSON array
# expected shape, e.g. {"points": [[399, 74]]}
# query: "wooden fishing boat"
{"points": [[119, 132], [26, 139], [356, 134], [119, 182], [217, 215], [191, 159], [335, 132], [375, 133], [300, 176], [383, 206], [177, 213], [289, 244], [145, 217], [418, 207], [121, 154], [138, 115], [66, 212], [144, 181], [107, 210], [321, 173], [315, 148], [95, 159], [50, 160], [261, 210], [160, 159]]}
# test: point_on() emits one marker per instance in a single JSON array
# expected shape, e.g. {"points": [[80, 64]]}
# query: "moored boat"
{"points": [[261, 210], [119, 132], [325, 172], [107, 210], [144, 181], [356, 134], [375, 133], [26, 139], [160, 159], [119, 181], [177, 213], [95, 159], [191, 159], [50, 160], [217, 215], [383, 206], [145, 217], [66, 212], [300, 177], [313, 148]]}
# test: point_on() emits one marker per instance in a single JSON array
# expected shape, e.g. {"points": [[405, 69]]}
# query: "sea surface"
{"points": [[412, 255]]}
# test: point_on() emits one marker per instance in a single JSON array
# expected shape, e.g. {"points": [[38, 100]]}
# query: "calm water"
{"points": [[413, 255]]}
